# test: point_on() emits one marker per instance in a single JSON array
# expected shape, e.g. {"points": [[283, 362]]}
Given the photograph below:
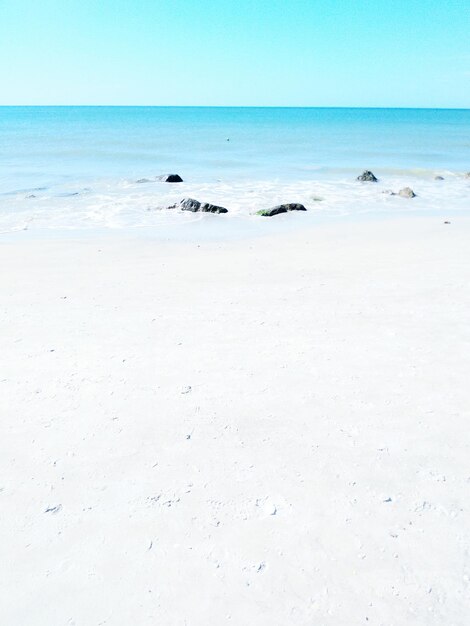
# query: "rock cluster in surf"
{"points": [[195, 206]]}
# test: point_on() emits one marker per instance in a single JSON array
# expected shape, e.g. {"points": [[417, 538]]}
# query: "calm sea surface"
{"points": [[243, 158]]}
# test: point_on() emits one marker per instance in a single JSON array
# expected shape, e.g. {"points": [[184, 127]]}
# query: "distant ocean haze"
{"points": [[241, 158]]}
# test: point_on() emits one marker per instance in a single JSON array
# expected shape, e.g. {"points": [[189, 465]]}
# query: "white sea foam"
{"points": [[127, 204]]}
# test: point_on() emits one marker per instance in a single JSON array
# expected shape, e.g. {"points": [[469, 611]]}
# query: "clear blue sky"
{"points": [[236, 52]]}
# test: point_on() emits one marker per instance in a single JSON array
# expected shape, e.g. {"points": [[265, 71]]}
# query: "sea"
{"points": [[77, 168]]}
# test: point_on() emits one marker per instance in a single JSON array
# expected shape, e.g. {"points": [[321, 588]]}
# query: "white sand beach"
{"points": [[272, 431]]}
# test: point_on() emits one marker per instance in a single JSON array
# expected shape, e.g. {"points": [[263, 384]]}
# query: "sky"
{"points": [[381, 53]]}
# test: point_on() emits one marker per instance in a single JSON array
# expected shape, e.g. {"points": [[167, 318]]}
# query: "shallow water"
{"points": [[77, 167]]}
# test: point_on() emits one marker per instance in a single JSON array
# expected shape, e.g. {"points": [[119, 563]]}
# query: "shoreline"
{"points": [[123, 204], [209, 228]]}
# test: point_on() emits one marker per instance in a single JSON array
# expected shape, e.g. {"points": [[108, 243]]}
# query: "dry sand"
{"points": [[263, 432]]}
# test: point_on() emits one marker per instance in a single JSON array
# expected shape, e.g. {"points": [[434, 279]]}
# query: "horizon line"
{"points": [[233, 106]]}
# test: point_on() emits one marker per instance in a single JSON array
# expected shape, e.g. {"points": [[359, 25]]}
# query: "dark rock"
{"points": [[189, 204], [164, 178], [367, 177], [446, 222], [281, 208], [407, 192], [206, 207], [170, 178], [438, 177]]}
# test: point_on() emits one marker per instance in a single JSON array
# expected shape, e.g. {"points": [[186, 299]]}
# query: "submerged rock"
{"points": [[467, 175], [143, 180], [170, 178], [281, 208], [438, 177], [367, 177], [407, 192], [189, 204]]}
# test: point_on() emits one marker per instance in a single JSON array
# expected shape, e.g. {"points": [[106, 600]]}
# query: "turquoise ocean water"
{"points": [[77, 167]]}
